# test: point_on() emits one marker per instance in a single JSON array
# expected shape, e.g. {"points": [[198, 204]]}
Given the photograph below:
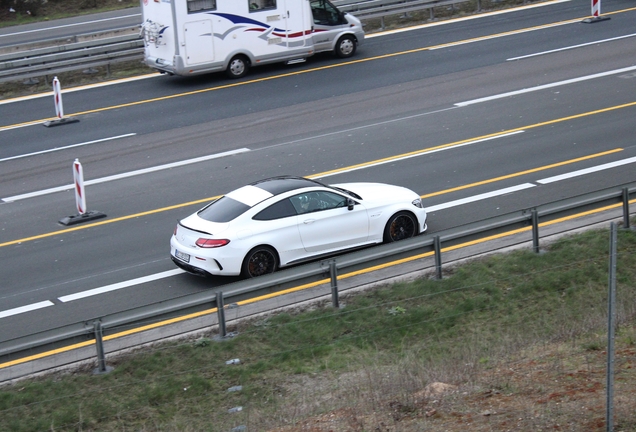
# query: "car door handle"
{"points": [[309, 221]]}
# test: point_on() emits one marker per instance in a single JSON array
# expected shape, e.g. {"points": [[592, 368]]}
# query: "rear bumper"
{"points": [[190, 269], [206, 261]]}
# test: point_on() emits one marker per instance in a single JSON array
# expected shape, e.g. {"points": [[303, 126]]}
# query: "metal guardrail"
{"points": [[34, 62], [21, 62], [86, 330], [381, 8]]}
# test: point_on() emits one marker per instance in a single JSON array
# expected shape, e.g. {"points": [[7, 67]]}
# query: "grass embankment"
{"points": [[521, 336]]}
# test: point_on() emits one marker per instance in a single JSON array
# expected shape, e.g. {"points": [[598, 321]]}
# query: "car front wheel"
{"points": [[346, 46], [259, 261], [400, 226]]}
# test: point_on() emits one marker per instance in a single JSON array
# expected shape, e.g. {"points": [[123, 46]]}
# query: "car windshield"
{"points": [[223, 210], [348, 192]]}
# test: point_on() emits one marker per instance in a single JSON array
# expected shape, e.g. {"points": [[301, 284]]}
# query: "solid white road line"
{"points": [[120, 285], [370, 36], [69, 25], [571, 47], [67, 147], [169, 273], [545, 86], [479, 197], [586, 171], [71, 90], [125, 175], [27, 308], [466, 18]]}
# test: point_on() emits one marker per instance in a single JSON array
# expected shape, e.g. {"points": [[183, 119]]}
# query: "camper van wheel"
{"points": [[346, 46], [238, 67]]}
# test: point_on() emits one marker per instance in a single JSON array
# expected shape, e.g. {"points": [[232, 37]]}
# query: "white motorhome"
{"points": [[191, 37]]}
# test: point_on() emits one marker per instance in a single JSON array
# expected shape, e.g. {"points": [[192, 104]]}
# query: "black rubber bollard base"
{"points": [[79, 218], [595, 19], [60, 122]]}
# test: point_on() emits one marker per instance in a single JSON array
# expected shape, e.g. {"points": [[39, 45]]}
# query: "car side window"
{"points": [[278, 210], [310, 202]]}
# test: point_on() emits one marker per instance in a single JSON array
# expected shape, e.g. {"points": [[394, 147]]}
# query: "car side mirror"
{"points": [[350, 203]]}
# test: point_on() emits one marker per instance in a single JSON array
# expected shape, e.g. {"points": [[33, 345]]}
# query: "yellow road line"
{"points": [[305, 286], [285, 75], [492, 135], [104, 222], [362, 165], [344, 276]]}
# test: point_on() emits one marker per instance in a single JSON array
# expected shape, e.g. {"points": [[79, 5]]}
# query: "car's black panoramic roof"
{"points": [[278, 185]]}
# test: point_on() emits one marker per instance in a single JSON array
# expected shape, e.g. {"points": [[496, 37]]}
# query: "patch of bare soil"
{"points": [[554, 388]]}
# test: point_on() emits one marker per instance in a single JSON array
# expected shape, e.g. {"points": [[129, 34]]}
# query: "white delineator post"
{"points": [[59, 109], [596, 13], [78, 177], [80, 199], [57, 95]]}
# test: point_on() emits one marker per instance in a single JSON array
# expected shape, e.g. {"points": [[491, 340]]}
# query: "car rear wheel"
{"points": [[238, 67], [346, 46], [400, 226], [259, 261]]}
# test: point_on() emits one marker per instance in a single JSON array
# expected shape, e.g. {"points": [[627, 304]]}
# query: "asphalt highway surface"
{"points": [[481, 116]]}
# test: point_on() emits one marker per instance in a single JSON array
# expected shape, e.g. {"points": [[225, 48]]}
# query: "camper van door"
{"points": [[199, 41], [297, 22], [328, 21]]}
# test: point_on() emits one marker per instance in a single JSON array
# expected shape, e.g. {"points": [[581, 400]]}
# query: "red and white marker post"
{"points": [[59, 109], [596, 8], [596, 13], [80, 199], [57, 95], [80, 196]]}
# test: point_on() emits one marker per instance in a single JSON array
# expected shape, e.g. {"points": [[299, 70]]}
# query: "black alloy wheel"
{"points": [[400, 226], [260, 261]]}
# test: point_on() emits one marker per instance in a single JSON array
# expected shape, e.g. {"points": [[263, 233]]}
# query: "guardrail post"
{"points": [[333, 273], [611, 322], [220, 309], [437, 245], [99, 344], [626, 208], [535, 231]]}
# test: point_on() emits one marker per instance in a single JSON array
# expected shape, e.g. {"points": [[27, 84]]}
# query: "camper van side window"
{"points": [[258, 5], [201, 5]]}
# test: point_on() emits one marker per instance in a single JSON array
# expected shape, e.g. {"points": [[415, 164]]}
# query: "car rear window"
{"points": [[223, 210]]}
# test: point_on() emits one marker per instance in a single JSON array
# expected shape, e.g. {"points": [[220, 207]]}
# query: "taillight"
{"points": [[211, 243]]}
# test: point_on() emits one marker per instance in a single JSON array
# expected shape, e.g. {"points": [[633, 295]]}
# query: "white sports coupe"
{"points": [[281, 221]]}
